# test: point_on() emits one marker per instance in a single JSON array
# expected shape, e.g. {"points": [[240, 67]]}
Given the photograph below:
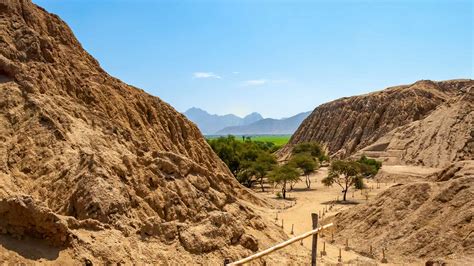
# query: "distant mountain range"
{"points": [[252, 124], [209, 124]]}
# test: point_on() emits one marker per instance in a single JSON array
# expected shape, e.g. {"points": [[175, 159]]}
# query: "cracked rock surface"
{"points": [[102, 170]]}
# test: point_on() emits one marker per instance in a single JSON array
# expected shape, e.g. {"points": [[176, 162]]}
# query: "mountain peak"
{"points": [[251, 118], [195, 110]]}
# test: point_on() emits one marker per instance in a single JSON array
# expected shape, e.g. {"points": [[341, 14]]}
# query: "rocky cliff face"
{"points": [[445, 136], [347, 125], [102, 168], [417, 129]]}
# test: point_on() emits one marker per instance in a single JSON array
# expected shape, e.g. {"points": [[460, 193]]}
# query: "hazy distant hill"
{"points": [[210, 124], [267, 126]]}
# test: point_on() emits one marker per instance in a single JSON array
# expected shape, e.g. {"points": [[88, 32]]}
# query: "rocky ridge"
{"points": [[445, 136], [424, 135], [349, 124], [102, 170]]}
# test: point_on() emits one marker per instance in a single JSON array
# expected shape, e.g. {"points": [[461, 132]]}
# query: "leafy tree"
{"points": [[249, 161], [312, 148], [345, 174], [265, 162], [228, 149], [283, 175], [370, 167], [246, 177], [306, 163]]}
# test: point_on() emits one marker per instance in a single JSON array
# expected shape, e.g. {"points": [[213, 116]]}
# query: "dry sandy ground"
{"points": [[302, 202]]}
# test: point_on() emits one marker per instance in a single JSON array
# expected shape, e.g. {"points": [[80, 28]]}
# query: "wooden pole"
{"points": [[314, 246], [280, 246], [292, 232], [384, 260], [323, 253], [339, 259]]}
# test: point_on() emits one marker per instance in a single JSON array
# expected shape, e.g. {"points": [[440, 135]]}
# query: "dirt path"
{"points": [[302, 202]]}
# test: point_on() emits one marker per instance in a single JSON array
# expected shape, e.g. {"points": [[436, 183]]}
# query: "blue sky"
{"points": [[274, 57]]}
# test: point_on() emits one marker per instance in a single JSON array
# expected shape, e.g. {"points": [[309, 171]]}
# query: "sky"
{"points": [[277, 58]]}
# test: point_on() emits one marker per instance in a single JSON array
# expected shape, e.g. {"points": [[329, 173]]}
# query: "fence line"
{"points": [[280, 246]]}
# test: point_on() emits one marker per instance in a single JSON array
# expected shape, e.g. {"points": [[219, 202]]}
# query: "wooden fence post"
{"points": [[384, 260], [314, 246], [292, 232], [280, 246], [323, 253]]}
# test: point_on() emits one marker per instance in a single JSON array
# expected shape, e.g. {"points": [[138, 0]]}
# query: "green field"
{"points": [[278, 140]]}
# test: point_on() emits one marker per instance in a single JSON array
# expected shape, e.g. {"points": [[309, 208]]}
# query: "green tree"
{"points": [[264, 163], [246, 177], [228, 149], [306, 164], [249, 161], [283, 175], [345, 174], [369, 167], [312, 148]]}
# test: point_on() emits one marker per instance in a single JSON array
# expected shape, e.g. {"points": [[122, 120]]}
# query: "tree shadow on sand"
{"points": [[301, 189], [30, 248], [341, 202]]}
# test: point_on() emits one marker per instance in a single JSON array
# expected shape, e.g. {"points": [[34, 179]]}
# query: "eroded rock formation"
{"points": [[445, 136], [349, 124], [429, 220], [88, 162]]}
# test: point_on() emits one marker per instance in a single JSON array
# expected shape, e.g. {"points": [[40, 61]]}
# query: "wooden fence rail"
{"points": [[279, 246]]}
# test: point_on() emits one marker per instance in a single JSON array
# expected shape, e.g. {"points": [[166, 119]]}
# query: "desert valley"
{"points": [[94, 171]]}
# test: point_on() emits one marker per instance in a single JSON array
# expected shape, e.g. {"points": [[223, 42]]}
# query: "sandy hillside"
{"points": [[446, 135], [349, 124], [424, 135], [424, 220], [92, 169]]}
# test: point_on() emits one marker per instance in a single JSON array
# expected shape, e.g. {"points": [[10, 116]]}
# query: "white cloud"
{"points": [[205, 75], [235, 72], [255, 82], [261, 82]]}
